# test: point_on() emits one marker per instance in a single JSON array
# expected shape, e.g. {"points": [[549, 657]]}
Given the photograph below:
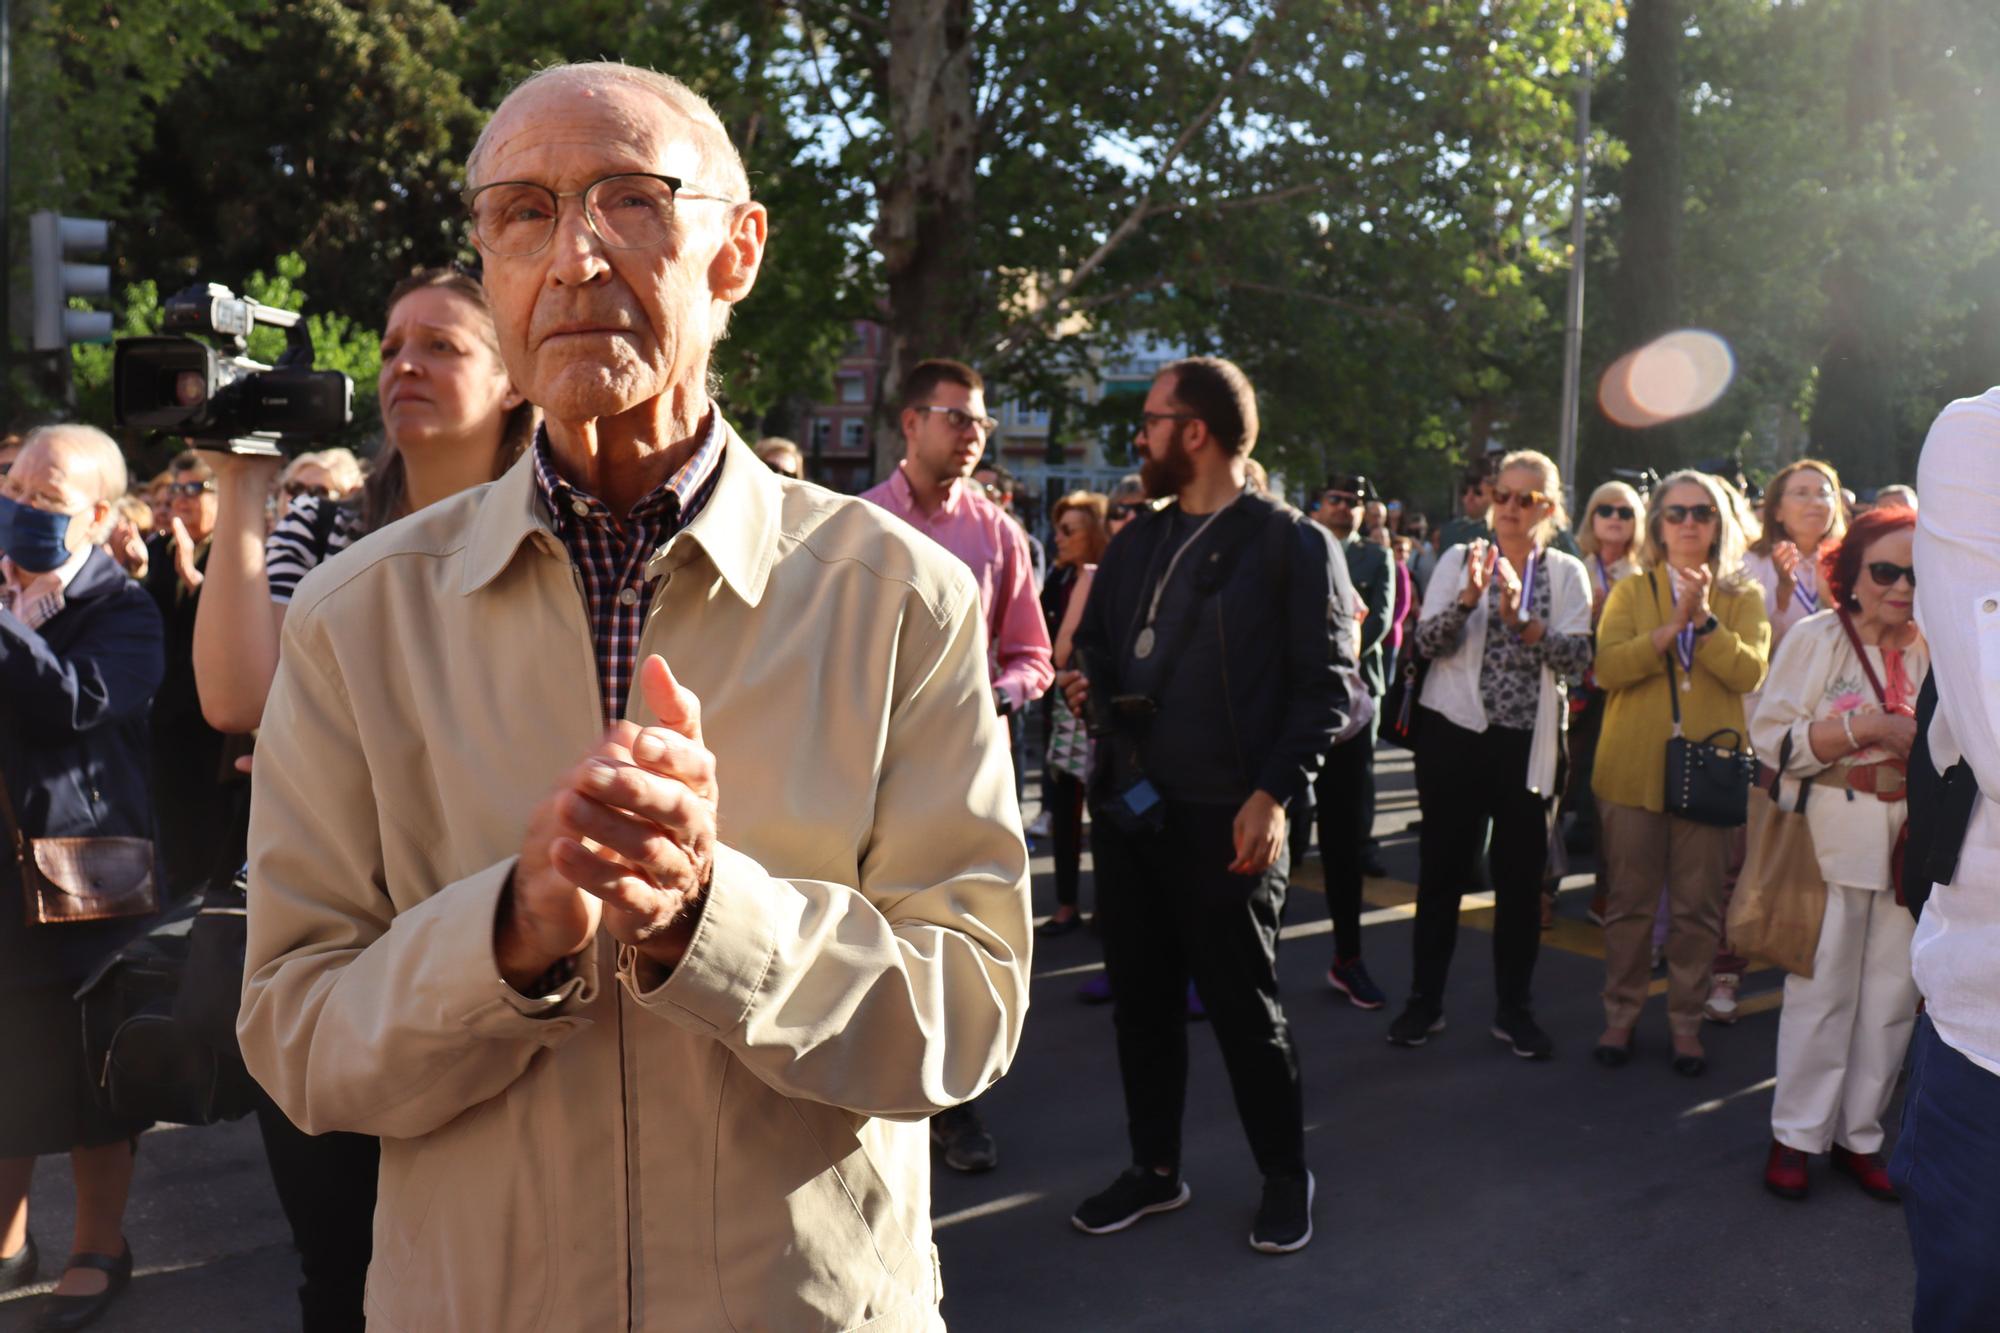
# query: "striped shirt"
{"points": [[293, 549], [610, 554]]}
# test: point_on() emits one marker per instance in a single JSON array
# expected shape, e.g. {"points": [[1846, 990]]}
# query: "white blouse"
{"points": [[1816, 676]]}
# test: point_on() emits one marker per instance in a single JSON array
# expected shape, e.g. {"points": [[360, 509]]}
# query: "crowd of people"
{"points": [[502, 958]]}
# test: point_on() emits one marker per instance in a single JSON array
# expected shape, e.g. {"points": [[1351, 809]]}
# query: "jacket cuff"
{"points": [[734, 944], [459, 954]]}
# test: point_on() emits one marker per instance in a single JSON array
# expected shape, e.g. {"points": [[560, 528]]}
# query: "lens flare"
{"points": [[1672, 377]]}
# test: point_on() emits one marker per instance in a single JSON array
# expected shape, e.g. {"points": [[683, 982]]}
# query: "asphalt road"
{"points": [[1459, 1187]]}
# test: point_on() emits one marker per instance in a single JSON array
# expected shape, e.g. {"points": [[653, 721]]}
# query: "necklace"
{"points": [[1142, 646]]}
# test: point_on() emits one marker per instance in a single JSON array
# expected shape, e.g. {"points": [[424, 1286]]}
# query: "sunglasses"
{"points": [[1678, 514], [188, 490], [1346, 498], [1125, 512], [1616, 511], [1519, 499], [1886, 573], [295, 489]]}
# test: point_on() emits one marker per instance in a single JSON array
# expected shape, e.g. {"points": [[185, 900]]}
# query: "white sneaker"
{"points": [[1721, 1006], [1041, 826]]}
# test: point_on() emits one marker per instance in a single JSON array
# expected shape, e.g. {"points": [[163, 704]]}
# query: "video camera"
{"points": [[217, 396]]}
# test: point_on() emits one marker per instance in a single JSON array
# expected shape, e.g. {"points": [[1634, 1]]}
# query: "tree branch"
{"points": [[819, 76], [1144, 207], [1337, 303], [866, 22]]}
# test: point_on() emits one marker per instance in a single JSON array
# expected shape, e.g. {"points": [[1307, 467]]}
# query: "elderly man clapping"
{"points": [[648, 1018]]}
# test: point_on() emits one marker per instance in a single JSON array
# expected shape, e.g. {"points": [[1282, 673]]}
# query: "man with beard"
{"points": [[1216, 667], [945, 429]]}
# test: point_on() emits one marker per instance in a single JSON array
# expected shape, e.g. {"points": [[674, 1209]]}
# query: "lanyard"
{"points": [[1804, 590], [1603, 575], [1683, 641], [1142, 646], [1526, 612]]}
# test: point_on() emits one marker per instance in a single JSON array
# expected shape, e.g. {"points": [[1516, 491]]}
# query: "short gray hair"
{"points": [[88, 442], [718, 155]]}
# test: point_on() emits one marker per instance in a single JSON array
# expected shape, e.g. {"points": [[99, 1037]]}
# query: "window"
{"points": [[854, 435], [853, 389], [822, 434]]}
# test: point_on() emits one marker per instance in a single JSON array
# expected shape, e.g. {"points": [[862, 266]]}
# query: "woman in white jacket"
{"points": [[1506, 625], [1837, 715]]}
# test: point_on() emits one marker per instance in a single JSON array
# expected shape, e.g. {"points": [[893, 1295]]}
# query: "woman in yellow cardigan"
{"points": [[1690, 602]]}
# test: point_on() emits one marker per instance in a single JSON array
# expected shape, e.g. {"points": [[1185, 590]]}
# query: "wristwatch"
{"points": [[1708, 626]]}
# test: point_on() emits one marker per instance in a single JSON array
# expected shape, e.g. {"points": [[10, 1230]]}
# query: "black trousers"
{"points": [[1463, 779], [1171, 911], [326, 1185], [1345, 799], [1064, 797]]}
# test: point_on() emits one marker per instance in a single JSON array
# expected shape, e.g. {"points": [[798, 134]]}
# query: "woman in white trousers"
{"points": [[1837, 712]]}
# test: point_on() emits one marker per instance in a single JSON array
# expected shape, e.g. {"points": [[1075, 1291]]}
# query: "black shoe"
{"points": [[63, 1313], [1414, 1026], [1690, 1066], [1517, 1027], [1371, 865], [1613, 1057], [1134, 1194], [1284, 1218], [967, 1146], [1057, 926], [19, 1269]]}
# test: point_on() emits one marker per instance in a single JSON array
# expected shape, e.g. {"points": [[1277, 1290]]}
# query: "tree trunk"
{"points": [[924, 219], [1645, 289]]}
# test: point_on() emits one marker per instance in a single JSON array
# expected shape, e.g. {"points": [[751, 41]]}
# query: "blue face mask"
{"points": [[32, 538]]}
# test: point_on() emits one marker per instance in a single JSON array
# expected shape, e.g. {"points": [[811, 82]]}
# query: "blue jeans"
{"points": [[1947, 1168]]}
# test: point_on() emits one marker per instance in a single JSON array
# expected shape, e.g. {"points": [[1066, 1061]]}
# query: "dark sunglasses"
{"points": [[294, 489], [1347, 498], [1519, 499], [783, 469], [1126, 511], [1682, 513], [1887, 572], [1616, 511], [188, 490]]}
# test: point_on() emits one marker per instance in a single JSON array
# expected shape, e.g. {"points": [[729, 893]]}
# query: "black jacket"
{"points": [[1369, 567], [1282, 591], [73, 750]]}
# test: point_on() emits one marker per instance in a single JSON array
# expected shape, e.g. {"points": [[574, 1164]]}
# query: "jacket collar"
{"points": [[737, 528]]}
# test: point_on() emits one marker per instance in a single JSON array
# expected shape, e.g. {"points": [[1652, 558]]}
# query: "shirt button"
{"points": [[579, 508], [628, 597], [1989, 606]]}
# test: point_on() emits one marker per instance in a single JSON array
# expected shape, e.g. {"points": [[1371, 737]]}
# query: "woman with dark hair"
{"points": [[1838, 714], [1080, 540], [451, 419]]}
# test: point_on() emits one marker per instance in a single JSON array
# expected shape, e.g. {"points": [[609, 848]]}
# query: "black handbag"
{"points": [[1707, 783], [159, 1016]]}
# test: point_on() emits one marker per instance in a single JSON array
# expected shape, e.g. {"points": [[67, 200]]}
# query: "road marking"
{"points": [[1703, 1108], [987, 1209]]}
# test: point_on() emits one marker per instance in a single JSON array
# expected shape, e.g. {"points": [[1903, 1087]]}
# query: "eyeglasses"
{"points": [[961, 420], [1346, 499], [1616, 511], [188, 490], [783, 468], [1820, 492], [1146, 419], [1886, 573], [1124, 513], [1678, 514], [632, 210], [294, 489], [1519, 499]]}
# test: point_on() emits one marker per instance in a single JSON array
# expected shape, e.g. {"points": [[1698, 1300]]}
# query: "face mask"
{"points": [[32, 538]]}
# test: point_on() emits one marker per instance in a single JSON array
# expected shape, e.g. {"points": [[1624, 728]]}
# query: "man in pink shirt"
{"points": [[945, 428], [944, 433]]}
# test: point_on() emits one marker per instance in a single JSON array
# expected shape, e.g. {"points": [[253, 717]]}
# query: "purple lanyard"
{"points": [[1603, 575], [1526, 612], [1807, 594]]}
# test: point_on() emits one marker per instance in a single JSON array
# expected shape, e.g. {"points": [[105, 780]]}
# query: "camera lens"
{"points": [[190, 388]]}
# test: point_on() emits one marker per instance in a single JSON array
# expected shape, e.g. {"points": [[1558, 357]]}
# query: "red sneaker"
{"points": [[1785, 1172], [1868, 1172]]}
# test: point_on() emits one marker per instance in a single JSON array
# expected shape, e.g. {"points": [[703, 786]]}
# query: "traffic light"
{"points": [[52, 239]]}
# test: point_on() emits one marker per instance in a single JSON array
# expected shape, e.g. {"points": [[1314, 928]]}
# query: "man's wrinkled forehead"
{"points": [[567, 133]]}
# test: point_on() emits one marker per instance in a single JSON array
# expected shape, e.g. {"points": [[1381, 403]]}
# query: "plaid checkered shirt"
{"points": [[609, 554]]}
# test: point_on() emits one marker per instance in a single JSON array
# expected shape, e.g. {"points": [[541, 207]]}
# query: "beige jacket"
{"points": [[742, 1147]]}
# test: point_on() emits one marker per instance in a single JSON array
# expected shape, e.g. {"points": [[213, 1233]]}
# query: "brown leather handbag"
{"points": [[81, 879]]}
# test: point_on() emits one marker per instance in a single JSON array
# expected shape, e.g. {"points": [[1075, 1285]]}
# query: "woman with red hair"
{"points": [[1838, 719]]}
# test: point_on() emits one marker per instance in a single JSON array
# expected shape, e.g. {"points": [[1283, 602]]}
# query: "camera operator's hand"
{"points": [[626, 840], [184, 557], [1075, 687], [1260, 835]]}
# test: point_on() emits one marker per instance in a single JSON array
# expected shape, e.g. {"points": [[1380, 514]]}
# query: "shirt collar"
{"points": [[568, 504], [956, 494], [65, 573], [738, 528]]}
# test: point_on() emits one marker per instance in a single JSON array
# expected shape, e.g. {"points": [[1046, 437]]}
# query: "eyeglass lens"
{"points": [[626, 212]]}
